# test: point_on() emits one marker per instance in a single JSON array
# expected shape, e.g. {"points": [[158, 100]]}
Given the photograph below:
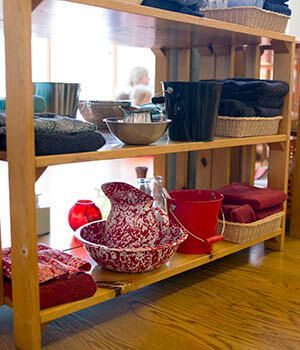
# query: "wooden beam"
{"points": [[184, 69], [39, 172], [181, 170], [35, 4], [160, 68], [160, 164], [160, 167], [203, 169], [21, 165]]}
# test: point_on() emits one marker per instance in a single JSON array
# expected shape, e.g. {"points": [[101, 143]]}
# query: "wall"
{"points": [[294, 26]]}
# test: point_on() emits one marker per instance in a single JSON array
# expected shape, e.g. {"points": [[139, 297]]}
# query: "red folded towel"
{"points": [[52, 264], [257, 198], [61, 291], [243, 214], [261, 214]]}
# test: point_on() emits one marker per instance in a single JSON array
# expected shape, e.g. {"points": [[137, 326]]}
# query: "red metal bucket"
{"points": [[197, 211]]}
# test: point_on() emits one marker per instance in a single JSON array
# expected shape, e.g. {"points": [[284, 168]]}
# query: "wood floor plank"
{"points": [[247, 301]]}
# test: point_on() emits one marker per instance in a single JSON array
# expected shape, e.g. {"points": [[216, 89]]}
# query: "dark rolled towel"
{"points": [[2, 138], [47, 122], [2, 119], [50, 122], [267, 112], [268, 102], [257, 198], [58, 143], [280, 2], [61, 291], [180, 6], [242, 214], [261, 214], [248, 88], [234, 108], [50, 143], [279, 8]]}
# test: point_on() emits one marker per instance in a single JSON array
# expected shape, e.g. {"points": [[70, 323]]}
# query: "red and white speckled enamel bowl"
{"points": [[141, 259]]}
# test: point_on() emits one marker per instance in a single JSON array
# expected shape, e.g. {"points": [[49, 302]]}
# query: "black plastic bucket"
{"points": [[193, 109]]}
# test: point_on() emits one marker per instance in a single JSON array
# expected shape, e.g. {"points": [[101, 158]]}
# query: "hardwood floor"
{"points": [[246, 301]]}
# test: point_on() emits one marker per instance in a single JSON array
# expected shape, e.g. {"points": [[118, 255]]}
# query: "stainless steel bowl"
{"points": [[136, 133]]}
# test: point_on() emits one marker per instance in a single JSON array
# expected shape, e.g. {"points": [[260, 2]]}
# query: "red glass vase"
{"points": [[83, 212]]}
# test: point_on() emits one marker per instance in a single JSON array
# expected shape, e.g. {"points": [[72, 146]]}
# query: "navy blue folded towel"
{"points": [[247, 97], [188, 7], [279, 2], [279, 8], [235, 108], [267, 102], [267, 112], [247, 88]]}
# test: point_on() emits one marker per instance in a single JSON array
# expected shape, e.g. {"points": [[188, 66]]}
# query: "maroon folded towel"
{"points": [[261, 214], [62, 291], [257, 198], [52, 264], [242, 214]]}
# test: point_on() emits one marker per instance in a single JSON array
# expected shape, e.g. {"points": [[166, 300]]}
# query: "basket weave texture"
{"points": [[243, 127], [250, 16], [241, 233]]}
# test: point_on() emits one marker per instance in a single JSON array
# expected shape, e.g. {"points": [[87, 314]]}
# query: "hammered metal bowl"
{"points": [[96, 111], [136, 133]]}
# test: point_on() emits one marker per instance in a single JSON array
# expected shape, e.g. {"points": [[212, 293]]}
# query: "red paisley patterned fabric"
{"points": [[52, 264]]}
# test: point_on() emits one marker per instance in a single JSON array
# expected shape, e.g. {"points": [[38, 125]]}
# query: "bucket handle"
{"points": [[210, 240]]}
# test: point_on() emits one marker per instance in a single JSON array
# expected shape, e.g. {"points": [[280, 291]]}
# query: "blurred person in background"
{"points": [[138, 76], [140, 95]]}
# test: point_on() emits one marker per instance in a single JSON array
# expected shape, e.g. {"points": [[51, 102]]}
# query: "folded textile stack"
{"points": [[244, 203], [62, 277], [238, 3], [188, 7], [245, 97], [279, 6], [55, 135]]}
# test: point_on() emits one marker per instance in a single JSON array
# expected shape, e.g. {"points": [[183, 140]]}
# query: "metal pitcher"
{"points": [[61, 98]]}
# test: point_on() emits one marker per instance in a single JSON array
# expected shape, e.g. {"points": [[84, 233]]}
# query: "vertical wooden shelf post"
{"points": [[160, 166], [279, 153], [21, 163]]}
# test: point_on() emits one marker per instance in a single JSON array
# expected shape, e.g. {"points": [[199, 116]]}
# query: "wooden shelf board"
{"points": [[126, 22], [115, 150], [125, 283], [100, 296]]}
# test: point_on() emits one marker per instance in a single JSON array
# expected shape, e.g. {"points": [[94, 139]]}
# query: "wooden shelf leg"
{"points": [[279, 153], [21, 165], [161, 168]]}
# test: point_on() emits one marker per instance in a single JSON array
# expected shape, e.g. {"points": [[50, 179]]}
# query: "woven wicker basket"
{"points": [[243, 127], [241, 233], [250, 16]]}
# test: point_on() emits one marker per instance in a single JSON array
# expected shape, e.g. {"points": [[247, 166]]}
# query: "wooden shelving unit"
{"points": [[186, 48]]}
